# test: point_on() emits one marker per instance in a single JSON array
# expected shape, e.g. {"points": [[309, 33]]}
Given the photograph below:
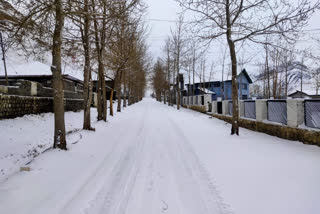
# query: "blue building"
{"points": [[215, 88]]}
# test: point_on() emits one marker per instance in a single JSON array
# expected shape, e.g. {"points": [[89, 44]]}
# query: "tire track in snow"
{"points": [[114, 196], [205, 192], [111, 170]]}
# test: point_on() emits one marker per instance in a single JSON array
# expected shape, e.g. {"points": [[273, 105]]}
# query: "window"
{"points": [[244, 97], [244, 86], [216, 85]]}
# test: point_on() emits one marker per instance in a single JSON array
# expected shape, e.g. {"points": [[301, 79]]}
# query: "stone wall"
{"points": [[291, 130], [17, 106], [285, 132], [201, 109]]}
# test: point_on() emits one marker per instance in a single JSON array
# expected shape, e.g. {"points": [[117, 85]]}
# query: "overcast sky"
{"points": [[167, 10]]}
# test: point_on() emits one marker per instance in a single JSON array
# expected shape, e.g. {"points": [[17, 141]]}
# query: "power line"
{"points": [[175, 21]]}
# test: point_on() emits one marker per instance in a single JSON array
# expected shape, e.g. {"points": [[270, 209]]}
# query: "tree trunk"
{"points": [[119, 96], [100, 45], [102, 103], [58, 98], [178, 92], [87, 84], [124, 95], [111, 102], [268, 73], [233, 56], [286, 80], [235, 102]]}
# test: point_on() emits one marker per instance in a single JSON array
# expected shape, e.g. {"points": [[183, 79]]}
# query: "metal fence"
{"points": [[219, 107], [277, 111], [250, 109], [230, 108], [312, 113], [209, 107]]}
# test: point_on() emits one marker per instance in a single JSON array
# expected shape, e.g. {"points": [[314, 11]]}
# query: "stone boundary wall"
{"points": [[201, 109], [285, 132], [291, 131], [12, 106]]}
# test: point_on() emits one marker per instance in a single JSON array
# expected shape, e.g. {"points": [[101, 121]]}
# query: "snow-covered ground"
{"points": [[26, 137], [153, 159]]}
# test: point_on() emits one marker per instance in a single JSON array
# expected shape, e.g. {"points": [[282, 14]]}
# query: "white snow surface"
{"points": [[152, 158]]}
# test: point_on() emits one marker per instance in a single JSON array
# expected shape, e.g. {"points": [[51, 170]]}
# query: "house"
{"points": [[41, 85], [301, 94], [70, 83], [109, 86], [173, 89], [223, 90]]}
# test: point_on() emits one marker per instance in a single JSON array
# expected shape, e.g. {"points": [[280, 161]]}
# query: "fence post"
{"points": [[241, 110], [295, 112], [95, 99], [207, 100], [33, 89], [214, 107], [225, 107], [261, 110]]}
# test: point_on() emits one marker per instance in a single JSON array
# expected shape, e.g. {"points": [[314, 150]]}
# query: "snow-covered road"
{"points": [[153, 159]]}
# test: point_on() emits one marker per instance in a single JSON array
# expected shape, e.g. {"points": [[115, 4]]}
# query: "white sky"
{"points": [[159, 30]]}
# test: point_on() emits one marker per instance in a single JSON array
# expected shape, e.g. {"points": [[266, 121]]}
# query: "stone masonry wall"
{"points": [[17, 106], [285, 132]]}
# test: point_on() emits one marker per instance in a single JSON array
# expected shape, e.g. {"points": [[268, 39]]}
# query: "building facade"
{"points": [[223, 90]]}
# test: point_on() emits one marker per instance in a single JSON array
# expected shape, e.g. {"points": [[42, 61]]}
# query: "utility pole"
{"points": [[4, 59]]}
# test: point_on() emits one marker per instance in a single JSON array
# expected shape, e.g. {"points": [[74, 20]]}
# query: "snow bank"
{"points": [[26, 137]]}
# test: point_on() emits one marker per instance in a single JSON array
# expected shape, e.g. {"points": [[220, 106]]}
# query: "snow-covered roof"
{"points": [[19, 65], [207, 91]]}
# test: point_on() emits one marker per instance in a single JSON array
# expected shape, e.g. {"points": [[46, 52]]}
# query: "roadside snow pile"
{"points": [[24, 138]]}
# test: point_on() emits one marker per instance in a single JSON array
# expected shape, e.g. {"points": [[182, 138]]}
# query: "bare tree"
{"points": [[42, 23], [178, 42], [59, 131], [159, 80], [80, 14], [316, 77]]}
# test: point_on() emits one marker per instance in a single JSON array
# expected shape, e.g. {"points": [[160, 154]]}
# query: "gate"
{"points": [[277, 111], [250, 109], [209, 107], [230, 107], [219, 105], [312, 113]]}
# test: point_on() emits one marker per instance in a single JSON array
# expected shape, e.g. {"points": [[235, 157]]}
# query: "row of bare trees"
{"points": [[281, 71], [238, 22], [106, 35]]}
